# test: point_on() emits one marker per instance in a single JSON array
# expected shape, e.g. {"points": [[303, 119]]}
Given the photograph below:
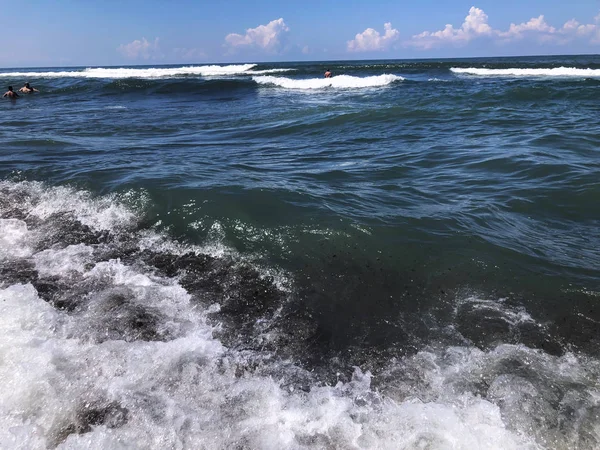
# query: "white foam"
{"points": [[185, 393], [267, 71], [157, 72], [13, 239], [103, 213], [511, 315], [554, 72], [63, 262], [192, 392], [338, 82]]}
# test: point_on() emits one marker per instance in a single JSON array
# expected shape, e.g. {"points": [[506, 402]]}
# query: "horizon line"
{"points": [[304, 61]]}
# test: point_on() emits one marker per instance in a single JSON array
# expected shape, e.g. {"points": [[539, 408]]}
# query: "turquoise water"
{"points": [[412, 245]]}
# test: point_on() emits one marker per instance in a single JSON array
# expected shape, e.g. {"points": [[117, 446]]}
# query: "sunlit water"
{"points": [[406, 255]]}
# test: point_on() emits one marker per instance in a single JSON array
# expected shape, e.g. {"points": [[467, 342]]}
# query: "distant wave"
{"points": [[340, 82], [116, 73], [554, 72]]}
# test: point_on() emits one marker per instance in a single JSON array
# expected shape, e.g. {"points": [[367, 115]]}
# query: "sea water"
{"points": [[406, 255]]}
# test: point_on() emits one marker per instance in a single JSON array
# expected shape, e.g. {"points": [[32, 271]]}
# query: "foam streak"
{"points": [[555, 72]]}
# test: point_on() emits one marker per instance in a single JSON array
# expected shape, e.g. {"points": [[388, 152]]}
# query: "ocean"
{"points": [[250, 256]]}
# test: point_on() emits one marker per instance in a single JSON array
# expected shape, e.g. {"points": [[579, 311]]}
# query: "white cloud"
{"points": [[266, 37], [140, 49], [475, 25], [571, 25], [574, 27], [476, 22], [536, 25], [585, 30], [543, 32], [189, 53], [371, 40]]}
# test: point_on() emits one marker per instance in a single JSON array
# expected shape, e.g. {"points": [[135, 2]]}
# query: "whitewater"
{"points": [[339, 81], [120, 356], [154, 72], [529, 72]]}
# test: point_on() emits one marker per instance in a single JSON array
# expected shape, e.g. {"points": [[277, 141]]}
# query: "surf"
{"points": [[153, 72], [113, 332], [336, 82], [561, 72]]}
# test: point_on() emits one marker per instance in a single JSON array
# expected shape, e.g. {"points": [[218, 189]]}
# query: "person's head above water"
{"points": [[10, 88], [26, 85]]}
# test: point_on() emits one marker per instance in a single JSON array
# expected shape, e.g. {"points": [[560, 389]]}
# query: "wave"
{"points": [[154, 72], [217, 85], [107, 340], [529, 72], [339, 82]]}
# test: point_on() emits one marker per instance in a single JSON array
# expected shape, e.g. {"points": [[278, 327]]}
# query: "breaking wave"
{"points": [[339, 82], [529, 72], [118, 73], [113, 335]]}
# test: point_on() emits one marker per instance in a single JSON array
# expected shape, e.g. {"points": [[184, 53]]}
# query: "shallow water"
{"points": [[404, 256]]}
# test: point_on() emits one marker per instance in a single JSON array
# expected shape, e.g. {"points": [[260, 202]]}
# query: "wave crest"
{"points": [[151, 72], [531, 72], [340, 82]]}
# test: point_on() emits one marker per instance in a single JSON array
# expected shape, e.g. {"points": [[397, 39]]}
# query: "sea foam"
{"points": [[339, 82], [136, 363], [554, 72], [153, 72]]}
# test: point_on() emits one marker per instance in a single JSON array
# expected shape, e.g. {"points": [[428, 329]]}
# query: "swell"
{"points": [[519, 90], [149, 86]]}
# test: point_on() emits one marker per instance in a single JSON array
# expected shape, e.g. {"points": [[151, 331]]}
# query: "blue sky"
{"points": [[69, 32]]}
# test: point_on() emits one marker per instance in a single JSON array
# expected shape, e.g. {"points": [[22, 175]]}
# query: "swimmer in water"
{"points": [[27, 89], [10, 93], [327, 73]]}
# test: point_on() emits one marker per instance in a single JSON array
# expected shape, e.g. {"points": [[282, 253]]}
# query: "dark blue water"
{"points": [[278, 238]]}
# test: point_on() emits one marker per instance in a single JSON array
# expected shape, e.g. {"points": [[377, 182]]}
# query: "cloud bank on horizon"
{"points": [[476, 26], [272, 38], [140, 49]]}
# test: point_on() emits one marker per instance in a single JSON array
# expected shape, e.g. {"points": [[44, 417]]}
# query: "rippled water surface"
{"points": [[406, 255]]}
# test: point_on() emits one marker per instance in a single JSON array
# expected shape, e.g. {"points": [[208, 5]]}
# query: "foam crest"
{"points": [[560, 72], [104, 213], [157, 72], [337, 82]]}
